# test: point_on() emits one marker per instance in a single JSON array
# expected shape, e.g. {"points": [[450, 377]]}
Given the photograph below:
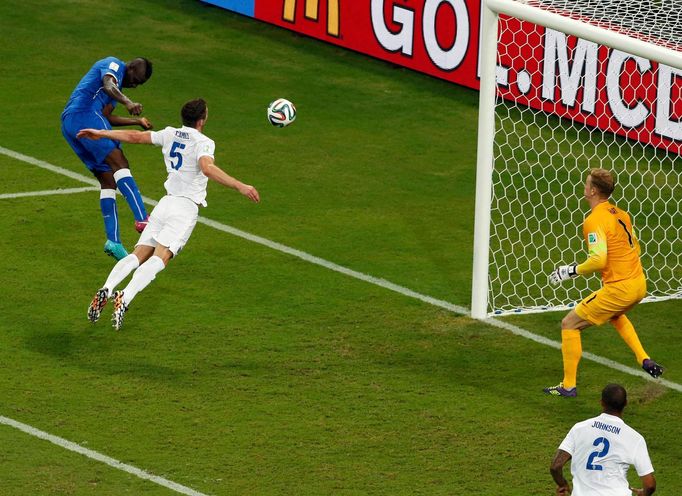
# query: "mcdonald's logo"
{"points": [[312, 12]]}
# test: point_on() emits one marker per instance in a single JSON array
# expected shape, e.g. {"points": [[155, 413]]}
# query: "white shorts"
{"points": [[170, 224]]}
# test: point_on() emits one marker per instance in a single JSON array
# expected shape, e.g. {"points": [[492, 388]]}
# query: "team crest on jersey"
{"points": [[113, 66], [592, 238]]}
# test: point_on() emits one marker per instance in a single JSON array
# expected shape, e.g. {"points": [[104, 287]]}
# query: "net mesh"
{"points": [[546, 143]]}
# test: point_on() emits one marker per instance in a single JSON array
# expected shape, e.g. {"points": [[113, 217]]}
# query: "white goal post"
{"points": [[534, 152]]}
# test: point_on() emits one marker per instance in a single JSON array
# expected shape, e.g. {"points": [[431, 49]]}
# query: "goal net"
{"points": [[567, 86]]}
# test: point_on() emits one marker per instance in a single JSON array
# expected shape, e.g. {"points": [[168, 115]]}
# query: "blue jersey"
{"points": [[89, 94]]}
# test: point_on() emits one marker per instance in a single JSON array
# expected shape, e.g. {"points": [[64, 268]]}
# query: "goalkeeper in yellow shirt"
{"points": [[614, 251]]}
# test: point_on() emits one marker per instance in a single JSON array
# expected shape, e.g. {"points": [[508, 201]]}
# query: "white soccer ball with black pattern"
{"points": [[281, 112]]}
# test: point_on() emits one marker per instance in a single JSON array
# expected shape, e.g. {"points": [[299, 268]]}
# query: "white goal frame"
{"points": [[520, 9]]}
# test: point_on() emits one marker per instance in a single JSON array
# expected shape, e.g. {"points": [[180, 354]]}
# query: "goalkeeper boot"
{"points": [[115, 250], [560, 390], [98, 302], [120, 309], [652, 368], [141, 224]]}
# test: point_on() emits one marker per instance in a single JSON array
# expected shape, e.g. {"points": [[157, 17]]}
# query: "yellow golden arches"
{"points": [[312, 11]]}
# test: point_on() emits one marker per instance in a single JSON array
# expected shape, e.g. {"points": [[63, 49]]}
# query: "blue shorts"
{"points": [[91, 152]]}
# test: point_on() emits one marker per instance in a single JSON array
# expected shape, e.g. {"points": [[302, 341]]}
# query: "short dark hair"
{"points": [[148, 68], [193, 111], [614, 398], [603, 181]]}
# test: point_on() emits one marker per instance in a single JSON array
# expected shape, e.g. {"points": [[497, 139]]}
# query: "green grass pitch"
{"points": [[244, 370]]}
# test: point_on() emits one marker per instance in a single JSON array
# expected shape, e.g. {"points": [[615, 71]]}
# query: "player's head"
{"points": [[613, 399], [138, 71], [194, 113], [599, 183]]}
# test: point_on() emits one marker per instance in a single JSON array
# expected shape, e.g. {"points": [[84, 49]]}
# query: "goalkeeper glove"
{"points": [[563, 273]]}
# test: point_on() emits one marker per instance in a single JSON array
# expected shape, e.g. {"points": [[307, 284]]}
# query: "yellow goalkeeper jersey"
{"points": [[612, 245]]}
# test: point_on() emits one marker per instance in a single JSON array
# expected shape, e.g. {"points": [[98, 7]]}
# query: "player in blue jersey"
{"points": [[91, 105]]}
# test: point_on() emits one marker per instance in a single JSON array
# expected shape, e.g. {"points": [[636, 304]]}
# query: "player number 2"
{"points": [[598, 454], [175, 154]]}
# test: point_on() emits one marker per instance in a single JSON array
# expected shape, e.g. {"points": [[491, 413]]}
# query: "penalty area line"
{"points": [[76, 448]]}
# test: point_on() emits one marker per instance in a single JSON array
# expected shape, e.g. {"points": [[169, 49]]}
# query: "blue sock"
{"points": [[128, 188], [107, 203]]}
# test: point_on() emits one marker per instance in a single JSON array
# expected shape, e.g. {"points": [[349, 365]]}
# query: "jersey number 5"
{"points": [[598, 454], [175, 154]]}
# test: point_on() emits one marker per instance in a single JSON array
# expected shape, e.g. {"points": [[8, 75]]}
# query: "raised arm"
{"points": [[212, 171], [124, 135], [111, 88]]}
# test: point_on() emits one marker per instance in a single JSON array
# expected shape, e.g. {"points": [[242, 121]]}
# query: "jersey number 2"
{"points": [[175, 154], [598, 454]]}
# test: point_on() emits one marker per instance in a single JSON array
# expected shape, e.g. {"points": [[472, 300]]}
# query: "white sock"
{"points": [[120, 271], [145, 274]]}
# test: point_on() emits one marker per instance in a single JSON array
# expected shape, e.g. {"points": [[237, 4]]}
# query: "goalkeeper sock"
{"points": [[627, 332], [145, 274], [120, 271], [128, 188], [571, 350]]}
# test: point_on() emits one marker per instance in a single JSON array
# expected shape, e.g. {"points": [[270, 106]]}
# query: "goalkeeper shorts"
{"points": [[612, 300]]}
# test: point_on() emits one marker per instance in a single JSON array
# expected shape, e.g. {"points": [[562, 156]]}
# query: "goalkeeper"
{"points": [[614, 251]]}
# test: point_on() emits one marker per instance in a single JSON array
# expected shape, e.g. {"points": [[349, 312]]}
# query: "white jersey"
{"points": [[182, 149], [602, 449]]}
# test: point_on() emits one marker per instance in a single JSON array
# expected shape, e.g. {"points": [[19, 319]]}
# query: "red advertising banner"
{"points": [[581, 80], [542, 68], [438, 38]]}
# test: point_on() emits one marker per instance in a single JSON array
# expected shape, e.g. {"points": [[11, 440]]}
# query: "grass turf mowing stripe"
{"points": [[518, 331]]}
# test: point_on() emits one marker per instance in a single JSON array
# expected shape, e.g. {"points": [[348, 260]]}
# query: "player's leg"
{"points": [[627, 332], [147, 272], [142, 277], [127, 186], [621, 297], [170, 226], [571, 352], [107, 203], [120, 271], [91, 153]]}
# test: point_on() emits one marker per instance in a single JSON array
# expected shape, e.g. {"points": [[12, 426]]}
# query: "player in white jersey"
{"points": [[188, 155], [601, 450]]}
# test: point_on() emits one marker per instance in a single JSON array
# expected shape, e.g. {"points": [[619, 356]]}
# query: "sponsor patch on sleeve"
{"points": [[592, 238], [113, 66]]}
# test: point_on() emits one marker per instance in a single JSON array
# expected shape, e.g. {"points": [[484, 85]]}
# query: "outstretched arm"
{"points": [[212, 171], [597, 253], [596, 259], [111, 88], [124, 135]]}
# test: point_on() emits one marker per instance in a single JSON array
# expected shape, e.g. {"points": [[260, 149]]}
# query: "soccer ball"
{"points": [[281, 112]]}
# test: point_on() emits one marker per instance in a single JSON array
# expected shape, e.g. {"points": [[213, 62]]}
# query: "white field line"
{"points": [[50, 192], [99, 457], [518, 331]]}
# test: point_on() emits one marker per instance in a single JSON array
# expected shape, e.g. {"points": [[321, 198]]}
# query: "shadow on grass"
{"points": [[98, 353]]}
